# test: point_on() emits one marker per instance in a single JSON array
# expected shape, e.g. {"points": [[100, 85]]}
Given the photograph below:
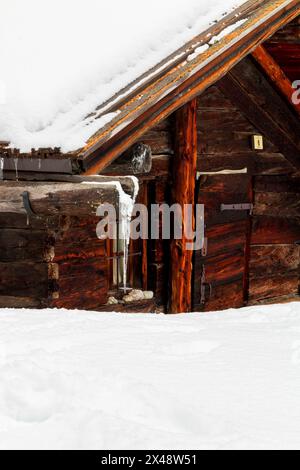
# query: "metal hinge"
{"points": [[204, 286], [237, 207], [204, 250], [28, 207]]}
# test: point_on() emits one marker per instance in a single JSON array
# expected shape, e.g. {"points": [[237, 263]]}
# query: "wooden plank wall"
{"points": [[223, 268], [275, 259], [224, 142], [82, 264], [275, 256], [55, 262], [225, 139], [27, 271]]}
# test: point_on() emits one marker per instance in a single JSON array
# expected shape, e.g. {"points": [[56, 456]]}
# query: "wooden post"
{"points": [[183, 192]]}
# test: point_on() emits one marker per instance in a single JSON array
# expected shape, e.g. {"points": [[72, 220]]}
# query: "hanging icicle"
{"points": [[126, 206], [16, 168], [1, 168], [125, 213]]}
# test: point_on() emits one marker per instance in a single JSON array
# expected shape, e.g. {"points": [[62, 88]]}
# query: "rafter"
{"points": [[276, 75]]}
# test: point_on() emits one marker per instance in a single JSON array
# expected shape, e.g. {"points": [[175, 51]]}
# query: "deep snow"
{"points": [[77, 380], [58, 61]]}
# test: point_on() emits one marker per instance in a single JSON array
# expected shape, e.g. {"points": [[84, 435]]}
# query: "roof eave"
{"points": [[183, 82]]}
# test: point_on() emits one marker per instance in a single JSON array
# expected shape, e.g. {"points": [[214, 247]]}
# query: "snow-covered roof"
{"points": [[79, 76], [59, 60]]}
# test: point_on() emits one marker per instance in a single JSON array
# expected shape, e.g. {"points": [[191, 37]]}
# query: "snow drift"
{"points": [[78, 380]]}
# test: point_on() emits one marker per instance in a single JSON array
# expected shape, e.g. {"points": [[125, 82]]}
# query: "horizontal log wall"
{"points": [[27, 271], [51, 262], [82, 265], [275, 256]]}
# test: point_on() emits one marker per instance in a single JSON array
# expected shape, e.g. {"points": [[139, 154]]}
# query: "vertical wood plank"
{"points": [[183, 192], [246, 282]]}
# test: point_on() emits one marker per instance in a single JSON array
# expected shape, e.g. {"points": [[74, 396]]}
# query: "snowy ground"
{"points": [[106, 381]]}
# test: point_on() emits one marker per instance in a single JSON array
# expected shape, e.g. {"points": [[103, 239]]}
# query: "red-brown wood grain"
{"points": [[183, 193]]}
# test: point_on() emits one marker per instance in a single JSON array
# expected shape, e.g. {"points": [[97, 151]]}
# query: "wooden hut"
{"points": [[224, 131]]}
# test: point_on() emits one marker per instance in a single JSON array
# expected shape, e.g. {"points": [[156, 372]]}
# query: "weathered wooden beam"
{"points": [[25, 245], [24, 279], [183, 193], [22, 302], [276, 204], [137, 161], [37, 165], [268, 230], [49, 199], [276, 75], [254, 96], [127, 182]]}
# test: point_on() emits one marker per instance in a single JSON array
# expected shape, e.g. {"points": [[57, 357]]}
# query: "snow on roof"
{"points": [[59, 60]]}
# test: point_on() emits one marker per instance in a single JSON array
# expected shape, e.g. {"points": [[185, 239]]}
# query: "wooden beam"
{"points": [[276, 75], [251, 92], [137, 161], [49, 199], [183, 192], [127, 182], [37, 165]]}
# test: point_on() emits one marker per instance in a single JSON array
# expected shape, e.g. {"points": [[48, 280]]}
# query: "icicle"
{"points": [[125, 214], [126, 206], [1, 167], [16, 168]]}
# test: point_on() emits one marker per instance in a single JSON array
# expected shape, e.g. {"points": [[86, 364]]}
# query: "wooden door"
{"points": [[220, 278]]}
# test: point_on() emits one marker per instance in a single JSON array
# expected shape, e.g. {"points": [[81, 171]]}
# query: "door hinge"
{"points": [[204, 286], [204, 250], [237, 207]]}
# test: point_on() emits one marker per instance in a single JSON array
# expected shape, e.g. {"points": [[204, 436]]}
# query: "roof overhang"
{"points": [[178, 80]]}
